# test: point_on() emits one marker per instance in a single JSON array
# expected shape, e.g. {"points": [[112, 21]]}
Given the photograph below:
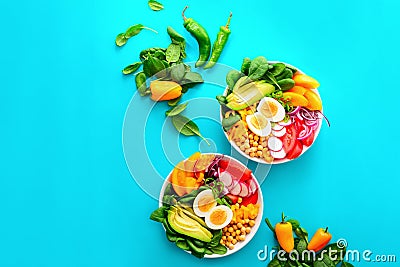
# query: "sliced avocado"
{"points": [[187, 226], [194, 217], [186, 217], [248, 94]]}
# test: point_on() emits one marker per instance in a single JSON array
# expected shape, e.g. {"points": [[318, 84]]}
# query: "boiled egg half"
{"points": [[218, 217], [258, 124], [271, 109], [204, 202]]}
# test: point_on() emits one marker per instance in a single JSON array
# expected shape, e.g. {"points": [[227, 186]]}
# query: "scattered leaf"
{"points": [[131, 68], [155, 6], [176, 110]]}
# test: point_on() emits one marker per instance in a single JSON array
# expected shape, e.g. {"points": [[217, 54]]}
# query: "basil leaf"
{"points": [[174, 102], [186, 126], [131, 68], [121, 39], [173, 53], [193, 77], [178, 72], [258, 67], [176, 110], [155, 6]]}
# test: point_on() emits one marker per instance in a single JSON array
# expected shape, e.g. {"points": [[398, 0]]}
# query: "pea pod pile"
{"points": [[299, 251], [271, 111], [209, 205]]}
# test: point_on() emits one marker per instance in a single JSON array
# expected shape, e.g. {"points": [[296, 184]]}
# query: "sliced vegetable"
{"points": [[275, 144], [305, 81]]}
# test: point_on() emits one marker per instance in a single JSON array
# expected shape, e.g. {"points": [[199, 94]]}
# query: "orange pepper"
{"points": [[320, 239], [284, 234], [165, 90]]}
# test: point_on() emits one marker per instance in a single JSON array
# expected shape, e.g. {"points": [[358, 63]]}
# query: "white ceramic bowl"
{"points": [[258, 220], [276, 161]]}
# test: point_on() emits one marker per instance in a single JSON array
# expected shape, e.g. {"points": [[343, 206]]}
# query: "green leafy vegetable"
{"points": [[133, 30], [159, 214], [277, 69], [131, 68], [232, 77], [121, 39], [152, 66], [155, 6], [141, 85], [176, 110], [176, 38], [173, 53], [174, 102], [286, 84], [178, 72], [193, 77], [186, 126], [258, 67], [245, 66], [227, 123], [221, 99]]}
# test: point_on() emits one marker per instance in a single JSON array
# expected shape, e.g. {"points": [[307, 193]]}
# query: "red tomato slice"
{"points": [[233, 198], [289, 139], [237, 172], [309, 140], [251, 199], [298, 148]]}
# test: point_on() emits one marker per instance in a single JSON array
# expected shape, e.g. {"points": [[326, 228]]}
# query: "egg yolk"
{"points": [[218, 217], [258, 122], [206, 203], [269, 109]]}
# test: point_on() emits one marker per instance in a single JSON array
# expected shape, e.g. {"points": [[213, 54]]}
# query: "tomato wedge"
{"points": [[309, 140], [251, 199], [290, 138], [296, 151]]}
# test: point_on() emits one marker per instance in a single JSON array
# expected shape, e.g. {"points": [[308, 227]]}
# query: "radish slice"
{"points": [[226, 179], [244, 190], [278, 154], [277, 127], [279, 133], [275, 144], [236, 189], [252, 186]]}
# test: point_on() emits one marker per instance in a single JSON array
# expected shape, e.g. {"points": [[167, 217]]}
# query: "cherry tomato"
{"points": [[251, 199], [289, 139], [296, 151], [309, 140]]}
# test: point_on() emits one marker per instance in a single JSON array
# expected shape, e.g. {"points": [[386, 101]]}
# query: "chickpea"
{"points": [[224, 238], [259, 154], [251, 136], [247, 151], [239, 201], [252, 154], [242, 237], [234, 234], [225, 229], [255, 144], [230, 229], [234, 241], [246, 145], [269, 159], [235, 227], [228, 244], [231, 246], [242, 139], [260, 148], [248, 229], [251, 142], [239, 225], [246, 220], [262, 138], [256, 137], [222, 242], [242, 147], [230, 238], [243, 229], [252, 223], [264, 144], [227, 234], [238, 232], [242, 222]]}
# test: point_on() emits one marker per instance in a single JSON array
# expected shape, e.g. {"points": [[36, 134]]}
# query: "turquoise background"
{"points": [[66, 195]]}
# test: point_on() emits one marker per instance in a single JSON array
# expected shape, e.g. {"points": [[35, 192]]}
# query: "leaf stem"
{"points": [[150, 29], [183, 13]]}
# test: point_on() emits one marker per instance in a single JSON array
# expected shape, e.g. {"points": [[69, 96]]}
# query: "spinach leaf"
{"points": [[174, 102], [295, 223], [176, 38], [245, 66], [232, 77], [131, 68], [181, 243], [169, 200], [219, 249], [272, 78], [152, 66], [347, 264], [173, 53], [217, 235], [186, 126], [193, 77], [277, 69], [159, 214], [301, 233], [171, 237], [221, 100], [287, 73], [121, 39], [141, 86], [178, 72], [176, 110], [227, 123], [155, 6], [301, 246], [286, 84], [258, 67], [274, 263], [136, 29]]}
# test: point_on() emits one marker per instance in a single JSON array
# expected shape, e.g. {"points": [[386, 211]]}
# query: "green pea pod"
{"points": [[140, 81], [201, 35], [219, 44]]}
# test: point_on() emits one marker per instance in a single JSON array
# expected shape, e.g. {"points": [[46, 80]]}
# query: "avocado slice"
{"points": [[203, 229], [193, 216], [248, 94], [185, 225]]}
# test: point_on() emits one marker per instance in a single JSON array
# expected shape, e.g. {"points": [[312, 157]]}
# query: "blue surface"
{"points": [[66, 195]]}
